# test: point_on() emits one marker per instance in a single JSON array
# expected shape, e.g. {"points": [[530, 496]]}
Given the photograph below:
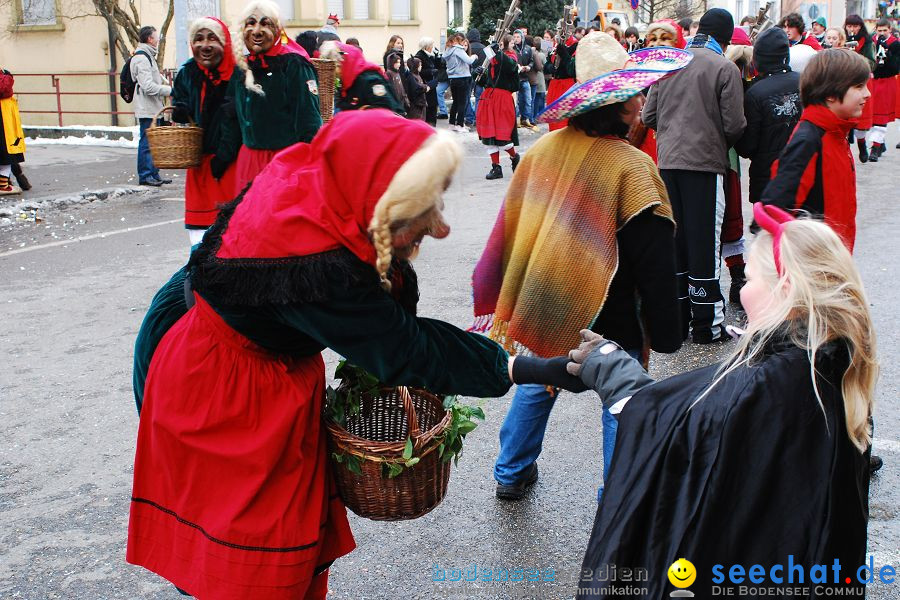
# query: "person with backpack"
{"points": [[149, 92]]}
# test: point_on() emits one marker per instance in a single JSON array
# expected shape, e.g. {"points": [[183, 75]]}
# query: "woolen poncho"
{"points": [[548, 264]]}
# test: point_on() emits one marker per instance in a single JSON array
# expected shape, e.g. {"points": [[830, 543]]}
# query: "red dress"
{"points": [[555, 89], [251, 510], [204, 194]]}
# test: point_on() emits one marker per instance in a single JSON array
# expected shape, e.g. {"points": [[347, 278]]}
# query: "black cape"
{"points": [[751, 474]]}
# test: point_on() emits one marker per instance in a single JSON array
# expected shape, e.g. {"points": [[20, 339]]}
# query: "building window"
{"points": [[401, 10], [38, 12], [336, 7], [360, 9], [203, 8], [286, 8]]}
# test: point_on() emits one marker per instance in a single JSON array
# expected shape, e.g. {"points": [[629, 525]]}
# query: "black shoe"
{"points": [[515, 161], [706, 336], [152, 182], [444, 116], [20, 177], [863, 152], [874, 153], [897, 146], [516, 491], [875, 463], [496, 173], [164, 181], [737, 282]]}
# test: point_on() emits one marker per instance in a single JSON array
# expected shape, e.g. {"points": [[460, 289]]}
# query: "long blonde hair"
{"points": [[417, 188], [820, 297]]}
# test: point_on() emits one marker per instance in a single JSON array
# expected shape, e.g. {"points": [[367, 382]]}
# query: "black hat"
{"points": [[772, 51], [718, 24]]}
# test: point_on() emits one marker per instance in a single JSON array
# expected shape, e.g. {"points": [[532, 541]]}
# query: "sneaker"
{"points": [[516, 491], [152, 182], [495, 173], [515, 161], [164, 181], [706, 336]]}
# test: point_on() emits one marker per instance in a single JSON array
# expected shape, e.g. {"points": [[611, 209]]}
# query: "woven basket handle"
{"points": [[164, 109], [414, 432]]}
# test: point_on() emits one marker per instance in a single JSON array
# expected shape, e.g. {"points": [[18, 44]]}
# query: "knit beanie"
{"points": [[771, 53], [718, 24]]}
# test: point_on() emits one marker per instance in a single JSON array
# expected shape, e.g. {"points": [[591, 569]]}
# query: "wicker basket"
{"points": [[175, 146], [325, 69], [378, 434]]}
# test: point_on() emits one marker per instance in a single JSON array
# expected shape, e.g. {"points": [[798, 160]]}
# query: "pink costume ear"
{"points": [[772, 219]]}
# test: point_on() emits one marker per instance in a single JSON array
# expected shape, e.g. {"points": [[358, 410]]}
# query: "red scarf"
{"points": [[321, 196], [838, 171], [282, 45]]}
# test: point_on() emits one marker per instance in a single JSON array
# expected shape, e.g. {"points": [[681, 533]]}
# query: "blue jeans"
{"points": [[522, 432], [145, 167], [473, 108], [523, 109], [441, 90], [537, 102]]}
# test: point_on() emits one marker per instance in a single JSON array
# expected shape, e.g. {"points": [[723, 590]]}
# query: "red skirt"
{"points": [[495, 121], [884, 100], [557, 88], [233, 495], [897, 108], [865, 120], [203, 194], [249, 163]]}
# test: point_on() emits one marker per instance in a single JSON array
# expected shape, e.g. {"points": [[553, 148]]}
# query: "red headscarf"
{"points": [[226, 67], [680, 42], [321, 196], [352, 64], [740, 37]]}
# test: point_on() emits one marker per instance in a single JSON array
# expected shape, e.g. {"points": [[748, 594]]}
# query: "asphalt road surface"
{"points": [[75, 287]]}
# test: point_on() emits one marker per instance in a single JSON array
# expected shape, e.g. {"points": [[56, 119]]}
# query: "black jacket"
{"points": [[526, 58], [475, 46], [646, 270], [429, 67], [887, 58], [772, 108]]}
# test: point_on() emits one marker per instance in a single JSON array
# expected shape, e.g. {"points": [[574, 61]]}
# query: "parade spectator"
{"points": [[585, 238], [443, 83], [200, 94], [632, 39], [685, 25], [748, 21], [363, 84], [12, 148], [476, 49], [795, 28], [309, 41], [815, 172], [771, 106], [395, 46], [526, 63], [884, 86], [784, 419], [695, 26], [614, 30], [496, 122], [429, 60], [536, 80], [859, 39], [458, 62], [835, 38], [149, 93], [417, 90], [399, 87], [353, 42], [819, 26], [278, 103], [698, 116]]}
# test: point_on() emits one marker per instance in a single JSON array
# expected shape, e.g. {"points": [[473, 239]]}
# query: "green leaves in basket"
{"points": [[391, 470], [408, 449]]}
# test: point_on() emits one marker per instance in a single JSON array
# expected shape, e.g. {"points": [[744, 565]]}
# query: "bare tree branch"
{"points": [[164, 30]]}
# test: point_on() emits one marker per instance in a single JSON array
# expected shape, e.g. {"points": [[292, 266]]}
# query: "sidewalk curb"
{"points": [[8, 213]]}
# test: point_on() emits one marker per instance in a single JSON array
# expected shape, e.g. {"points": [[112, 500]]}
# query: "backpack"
{"points": [[127, 84]]}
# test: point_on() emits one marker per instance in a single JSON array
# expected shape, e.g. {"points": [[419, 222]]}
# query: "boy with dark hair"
{"points": [[795, 28], [884, 85], [816, 172]]}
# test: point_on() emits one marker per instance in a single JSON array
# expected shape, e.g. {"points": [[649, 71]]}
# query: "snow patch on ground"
{"points": [[83, 141], [9, 215]]}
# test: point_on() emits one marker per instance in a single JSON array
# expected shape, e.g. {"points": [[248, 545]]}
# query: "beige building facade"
{"points": [[59, 51]]}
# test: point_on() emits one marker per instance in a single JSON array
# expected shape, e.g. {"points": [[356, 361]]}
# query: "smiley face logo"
{"points": [[682, 573]]}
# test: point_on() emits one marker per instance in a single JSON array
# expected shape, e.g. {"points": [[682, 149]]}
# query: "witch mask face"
{"points": [[207, 48], [660, 37], [259, 34]]}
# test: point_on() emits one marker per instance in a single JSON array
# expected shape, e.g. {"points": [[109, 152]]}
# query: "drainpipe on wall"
{"points": [[113, 70]]}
